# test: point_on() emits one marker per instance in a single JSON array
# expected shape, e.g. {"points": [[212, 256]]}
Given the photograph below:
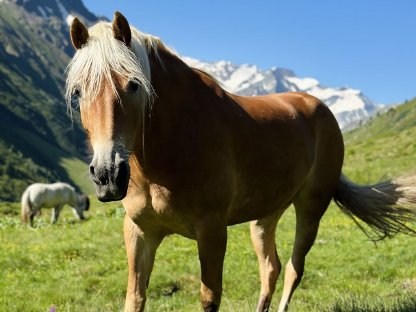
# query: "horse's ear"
{"points": [[121, 28], [79, 33]]}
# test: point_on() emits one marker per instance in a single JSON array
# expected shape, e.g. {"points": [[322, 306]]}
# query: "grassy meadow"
{"points": [[81, 266]]}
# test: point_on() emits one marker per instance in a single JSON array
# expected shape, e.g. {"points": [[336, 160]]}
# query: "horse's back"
{"points": [[294, 120], [293, 106], [50, 195]]}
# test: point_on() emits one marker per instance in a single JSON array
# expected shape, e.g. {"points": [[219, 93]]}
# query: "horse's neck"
{"points": [[171, 79], [177, 129], [73, 199], [175, 81]]}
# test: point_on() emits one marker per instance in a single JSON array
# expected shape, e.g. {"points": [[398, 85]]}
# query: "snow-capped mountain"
{"points": [[349, 106]]}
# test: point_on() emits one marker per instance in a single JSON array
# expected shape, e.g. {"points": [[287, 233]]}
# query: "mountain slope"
{"points": [[36, 131], [385, 147], [349, 106]]}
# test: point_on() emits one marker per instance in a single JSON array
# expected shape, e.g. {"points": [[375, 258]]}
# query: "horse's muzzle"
{"points": [[111, 182]]}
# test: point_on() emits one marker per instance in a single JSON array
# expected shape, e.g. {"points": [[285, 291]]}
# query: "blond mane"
{"points": [[103, 56]]}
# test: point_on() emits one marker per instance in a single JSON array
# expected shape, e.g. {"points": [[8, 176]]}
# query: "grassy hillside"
{"points": [[384, 147], [47, 163], [82, 266]]}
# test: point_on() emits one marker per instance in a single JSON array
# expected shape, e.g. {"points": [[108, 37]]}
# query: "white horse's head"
{"points": [[82, 204]]}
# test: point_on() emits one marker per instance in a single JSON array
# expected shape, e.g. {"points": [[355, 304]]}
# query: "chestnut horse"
{"points": [[187, 157]]}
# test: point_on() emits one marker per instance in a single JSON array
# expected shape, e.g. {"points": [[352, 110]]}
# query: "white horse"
{"points": [[55, 195]]}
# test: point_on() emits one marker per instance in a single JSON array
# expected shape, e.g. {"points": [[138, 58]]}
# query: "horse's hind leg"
{"points": [[35, 211], [32, 217], [310, 206], [262, 236]]}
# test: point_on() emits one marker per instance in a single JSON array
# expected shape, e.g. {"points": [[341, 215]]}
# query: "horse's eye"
{"points": [[133, 86], [76, 93]]}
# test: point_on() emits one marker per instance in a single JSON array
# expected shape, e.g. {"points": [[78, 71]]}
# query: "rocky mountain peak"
{"points": [[61, 9]]}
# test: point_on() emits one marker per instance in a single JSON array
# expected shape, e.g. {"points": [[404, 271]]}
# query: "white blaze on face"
{"points": [[103, 152], [108, 155]]}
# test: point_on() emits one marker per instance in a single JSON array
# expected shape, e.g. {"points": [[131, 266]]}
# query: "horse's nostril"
{"points": [[92, 171], [103, 179], [117, 174], [123, 171], [99, 177]]}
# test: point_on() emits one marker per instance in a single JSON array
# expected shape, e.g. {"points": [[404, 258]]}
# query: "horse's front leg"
{"points": [[141, 249], [212, 243], [55, 213]]}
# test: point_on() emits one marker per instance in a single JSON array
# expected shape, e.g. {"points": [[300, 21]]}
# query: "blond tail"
{"points": [[386, 207], [26, 207]]}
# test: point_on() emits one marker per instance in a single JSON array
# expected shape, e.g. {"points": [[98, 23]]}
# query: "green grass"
{"points": [[407, 304], [81, 266]]}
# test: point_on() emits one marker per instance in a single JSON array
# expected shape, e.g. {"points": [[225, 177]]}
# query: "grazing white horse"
{"points": [[55, 195]]}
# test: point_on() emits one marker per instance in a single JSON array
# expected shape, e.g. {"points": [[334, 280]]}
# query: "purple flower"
{"points": [[52, 309]]}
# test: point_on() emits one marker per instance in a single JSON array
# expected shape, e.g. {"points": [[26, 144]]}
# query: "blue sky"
{"points": [[364, 44]]}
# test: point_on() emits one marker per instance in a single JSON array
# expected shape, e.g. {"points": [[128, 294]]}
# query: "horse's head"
{"points": [[82, 204], [109, 77]]}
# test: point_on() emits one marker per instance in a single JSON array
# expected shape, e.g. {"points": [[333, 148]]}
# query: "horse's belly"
{"points": [[272, 189], [254, 206]]}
